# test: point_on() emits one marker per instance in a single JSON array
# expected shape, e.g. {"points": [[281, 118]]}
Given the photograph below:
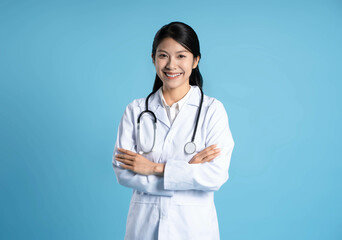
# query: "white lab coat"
{"points": [[180, 204]]}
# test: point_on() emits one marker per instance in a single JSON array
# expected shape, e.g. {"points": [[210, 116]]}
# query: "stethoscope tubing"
{"points": [[155, 125]]}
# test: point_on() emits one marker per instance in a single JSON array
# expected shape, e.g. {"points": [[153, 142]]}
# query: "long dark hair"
{"points": [[187, 37]]}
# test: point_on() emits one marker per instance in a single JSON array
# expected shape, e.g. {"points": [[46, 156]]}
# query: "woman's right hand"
{"points": [[206, 155]]}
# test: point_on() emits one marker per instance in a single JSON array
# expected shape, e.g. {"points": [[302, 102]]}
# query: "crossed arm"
{"points": [[141, 165]]}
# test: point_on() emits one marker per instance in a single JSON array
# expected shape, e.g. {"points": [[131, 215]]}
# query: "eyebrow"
{"points": [[161, 50]]}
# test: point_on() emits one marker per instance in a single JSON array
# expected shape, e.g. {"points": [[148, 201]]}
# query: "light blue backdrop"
{"points": [[69, 68]]}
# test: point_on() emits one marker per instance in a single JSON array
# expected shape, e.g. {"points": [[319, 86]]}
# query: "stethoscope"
{"points": [[189, 147]]}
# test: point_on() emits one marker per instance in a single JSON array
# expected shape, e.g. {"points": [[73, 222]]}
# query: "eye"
{"points": [[182, 56], [162, 55]]}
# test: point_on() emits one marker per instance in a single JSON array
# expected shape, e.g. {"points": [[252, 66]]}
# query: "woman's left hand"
{"points": [[135, 162]]}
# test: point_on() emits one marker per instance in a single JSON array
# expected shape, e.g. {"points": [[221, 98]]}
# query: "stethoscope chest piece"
{"points": [[190, 147]]}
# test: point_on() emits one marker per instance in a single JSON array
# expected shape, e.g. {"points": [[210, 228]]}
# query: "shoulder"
{"points": [[216, 117], [213, 103], [133, 107], [215, 109], [136, 103], [210, 105]]}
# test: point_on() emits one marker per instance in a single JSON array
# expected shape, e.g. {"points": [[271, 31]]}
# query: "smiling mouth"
{"points": [[172, 76]]}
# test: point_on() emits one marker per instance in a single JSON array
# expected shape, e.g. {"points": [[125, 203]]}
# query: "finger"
{"points": [[210, 148], [214, 154], [125, 156], [211, 157], [212, 151], [202, 154], [126, 167], [127, 162], [195, 159], [127, 151], [207, 151], [192, 160]]}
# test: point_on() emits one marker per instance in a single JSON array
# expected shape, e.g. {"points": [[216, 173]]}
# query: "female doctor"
{"points": [[176, 154]]}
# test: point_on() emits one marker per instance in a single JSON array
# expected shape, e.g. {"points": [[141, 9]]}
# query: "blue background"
{"points": [[69, 68]]}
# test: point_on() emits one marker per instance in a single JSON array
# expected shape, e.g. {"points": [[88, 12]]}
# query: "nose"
{"points": [[171, 64]]}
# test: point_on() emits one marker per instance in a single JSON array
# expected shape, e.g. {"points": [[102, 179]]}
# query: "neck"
{"points": [[172, 95]]}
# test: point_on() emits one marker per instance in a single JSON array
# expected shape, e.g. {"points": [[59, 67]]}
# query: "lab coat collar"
{"points": [[155, 104], [178, 104], [194, 98]]}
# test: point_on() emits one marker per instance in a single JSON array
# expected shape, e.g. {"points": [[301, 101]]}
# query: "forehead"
{"points": [[170, 45]]}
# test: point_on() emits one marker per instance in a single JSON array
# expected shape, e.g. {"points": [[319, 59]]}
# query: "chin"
{"points": [[170, 85], [173, 85]]}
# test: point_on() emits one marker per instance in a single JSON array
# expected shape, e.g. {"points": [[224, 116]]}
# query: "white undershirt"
{"points": [[173, 111]]}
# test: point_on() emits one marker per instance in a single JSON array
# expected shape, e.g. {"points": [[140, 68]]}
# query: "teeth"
{"points": [[173, 75]]}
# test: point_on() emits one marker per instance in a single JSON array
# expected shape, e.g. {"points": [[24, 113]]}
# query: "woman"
{"points": [[173, 185]]}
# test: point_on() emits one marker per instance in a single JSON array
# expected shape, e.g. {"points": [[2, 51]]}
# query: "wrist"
{"points": [[158, 169]]}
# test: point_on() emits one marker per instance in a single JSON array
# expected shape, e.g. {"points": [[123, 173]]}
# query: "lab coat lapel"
{"points": [[158, 109], [162, 116], [190, 108]]}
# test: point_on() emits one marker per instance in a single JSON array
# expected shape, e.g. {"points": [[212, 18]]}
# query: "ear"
{"points": [[152, 58], [196, 60]]}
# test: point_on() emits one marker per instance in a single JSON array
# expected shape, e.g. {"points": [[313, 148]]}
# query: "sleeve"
{"points": [[150, 184], [208, 176]]}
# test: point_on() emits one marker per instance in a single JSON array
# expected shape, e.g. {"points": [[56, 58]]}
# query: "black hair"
{"points": [[187, 37]]}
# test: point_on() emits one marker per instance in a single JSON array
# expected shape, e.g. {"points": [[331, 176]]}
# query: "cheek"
{"points": [[188, 71], [188, 66], [159, 71]]}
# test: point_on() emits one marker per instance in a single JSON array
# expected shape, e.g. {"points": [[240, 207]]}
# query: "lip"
{"points": [[172, 78], [172, 73]]}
